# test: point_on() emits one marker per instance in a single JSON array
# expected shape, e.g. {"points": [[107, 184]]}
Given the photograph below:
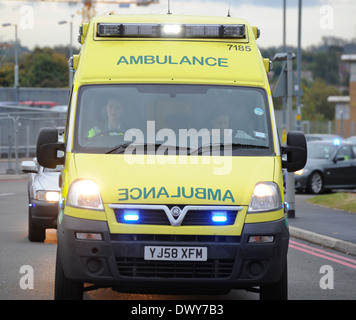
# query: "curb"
{"points": [[329, 242]]}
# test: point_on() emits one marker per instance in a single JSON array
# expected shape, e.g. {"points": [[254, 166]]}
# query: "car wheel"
{"points": [[64, 288], [315, 183], [35, 232]]}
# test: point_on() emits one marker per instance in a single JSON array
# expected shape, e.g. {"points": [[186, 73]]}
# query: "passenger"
{"points": [[221, 121]]}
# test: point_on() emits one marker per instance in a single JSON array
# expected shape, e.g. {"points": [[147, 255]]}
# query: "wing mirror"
{"points": [[295, 150], [50, 152], [29, 167]]}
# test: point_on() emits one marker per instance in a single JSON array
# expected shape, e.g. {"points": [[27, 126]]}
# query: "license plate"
{"points": [[176, 253]]}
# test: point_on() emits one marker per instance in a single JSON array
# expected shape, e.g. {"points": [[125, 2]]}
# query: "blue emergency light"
{"points": [[131, 215], [219, 216]]}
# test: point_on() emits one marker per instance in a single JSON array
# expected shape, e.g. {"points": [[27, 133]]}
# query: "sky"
{"points": [[38, 21]]}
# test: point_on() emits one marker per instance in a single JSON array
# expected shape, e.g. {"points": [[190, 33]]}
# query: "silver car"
{"points": [[43, 197]]}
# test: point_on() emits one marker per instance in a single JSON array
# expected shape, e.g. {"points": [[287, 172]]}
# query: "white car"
{"points": [[43, 197]]}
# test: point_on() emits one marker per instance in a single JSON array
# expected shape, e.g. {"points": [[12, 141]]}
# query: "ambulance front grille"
{"points": [[162, 215], [162, 238], [136, 267]]}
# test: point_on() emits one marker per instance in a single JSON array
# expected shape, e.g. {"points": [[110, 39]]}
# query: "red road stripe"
{"points": [[324, 256], [323, 251]]}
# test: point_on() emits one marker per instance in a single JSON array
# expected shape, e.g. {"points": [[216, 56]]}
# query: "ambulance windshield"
{"points": [[173, 119]]}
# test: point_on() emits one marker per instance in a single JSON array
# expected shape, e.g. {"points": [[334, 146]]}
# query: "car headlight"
{"points": [[50, 196], [85, 194], [265, 197], [301, 172]]}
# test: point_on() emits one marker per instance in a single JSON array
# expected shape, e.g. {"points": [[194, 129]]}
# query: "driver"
{"points": [[115, 111]]}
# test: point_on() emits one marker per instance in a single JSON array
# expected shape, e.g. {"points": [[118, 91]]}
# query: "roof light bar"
{"points": [[233, 31], [197, 30], [108, 29], [170, 30], [139, 30]]}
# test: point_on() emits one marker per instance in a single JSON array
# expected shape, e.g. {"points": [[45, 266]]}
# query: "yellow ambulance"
{"points": [[172, 168]]}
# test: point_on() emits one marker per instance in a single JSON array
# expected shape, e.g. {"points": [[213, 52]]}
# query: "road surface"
{"points": [[314, 273]]}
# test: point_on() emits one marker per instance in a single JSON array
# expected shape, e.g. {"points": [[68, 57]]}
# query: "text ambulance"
{"points": [[172, 176]]}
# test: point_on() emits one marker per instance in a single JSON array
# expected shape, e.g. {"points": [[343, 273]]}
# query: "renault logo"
{"points": [[175, 211]]}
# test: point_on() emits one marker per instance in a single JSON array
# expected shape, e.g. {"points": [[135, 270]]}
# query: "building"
{"points": [[345, 111]]}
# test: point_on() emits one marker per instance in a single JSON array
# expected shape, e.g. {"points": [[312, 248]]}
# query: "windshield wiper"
{"points": [[207, 147], [122, 147]]}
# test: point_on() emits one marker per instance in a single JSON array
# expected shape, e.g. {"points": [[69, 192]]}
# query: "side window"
{"points": [[353, 151], [344, 152]]}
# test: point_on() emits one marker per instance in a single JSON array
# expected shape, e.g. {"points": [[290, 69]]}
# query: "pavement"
{"points": [[331, 228]]}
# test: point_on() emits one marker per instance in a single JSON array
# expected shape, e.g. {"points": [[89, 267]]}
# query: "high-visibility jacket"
{"points": [[95, 130]]}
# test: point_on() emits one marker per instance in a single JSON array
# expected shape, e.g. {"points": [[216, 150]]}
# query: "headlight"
{"points": [[84, 194], [265, 197], [301, 172], [50, 196]]}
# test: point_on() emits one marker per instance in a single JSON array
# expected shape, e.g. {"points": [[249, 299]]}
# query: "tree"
{"points": [[325, 65], [44, 68], [7, 75], [314, 99]]}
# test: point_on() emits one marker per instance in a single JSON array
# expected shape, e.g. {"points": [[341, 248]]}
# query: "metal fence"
{"points": [[59, 95], [19, 128], [342, 128]]}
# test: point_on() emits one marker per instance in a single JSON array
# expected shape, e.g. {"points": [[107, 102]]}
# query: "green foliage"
{"points": [[41, 68], [44, 68], [327, 71], [325, 65], [7, 75], [314, 99], [338, 200]]}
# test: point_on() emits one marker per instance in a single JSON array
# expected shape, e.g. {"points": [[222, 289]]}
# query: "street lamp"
{"points": [[299, 63], [70, 47], [286, 82], [16, 73]]}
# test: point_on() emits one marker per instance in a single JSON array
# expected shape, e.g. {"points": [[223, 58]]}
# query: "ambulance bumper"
{"points": [[117, 261]]}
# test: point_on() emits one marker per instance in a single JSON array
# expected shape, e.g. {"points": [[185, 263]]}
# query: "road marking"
{"points": [[6, 194], [323, 251], [351, 263]]}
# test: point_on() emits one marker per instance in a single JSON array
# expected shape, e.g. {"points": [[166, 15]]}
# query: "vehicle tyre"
{"points": [[278, 290], [35, 232], [315, 183], [64, 288]]}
